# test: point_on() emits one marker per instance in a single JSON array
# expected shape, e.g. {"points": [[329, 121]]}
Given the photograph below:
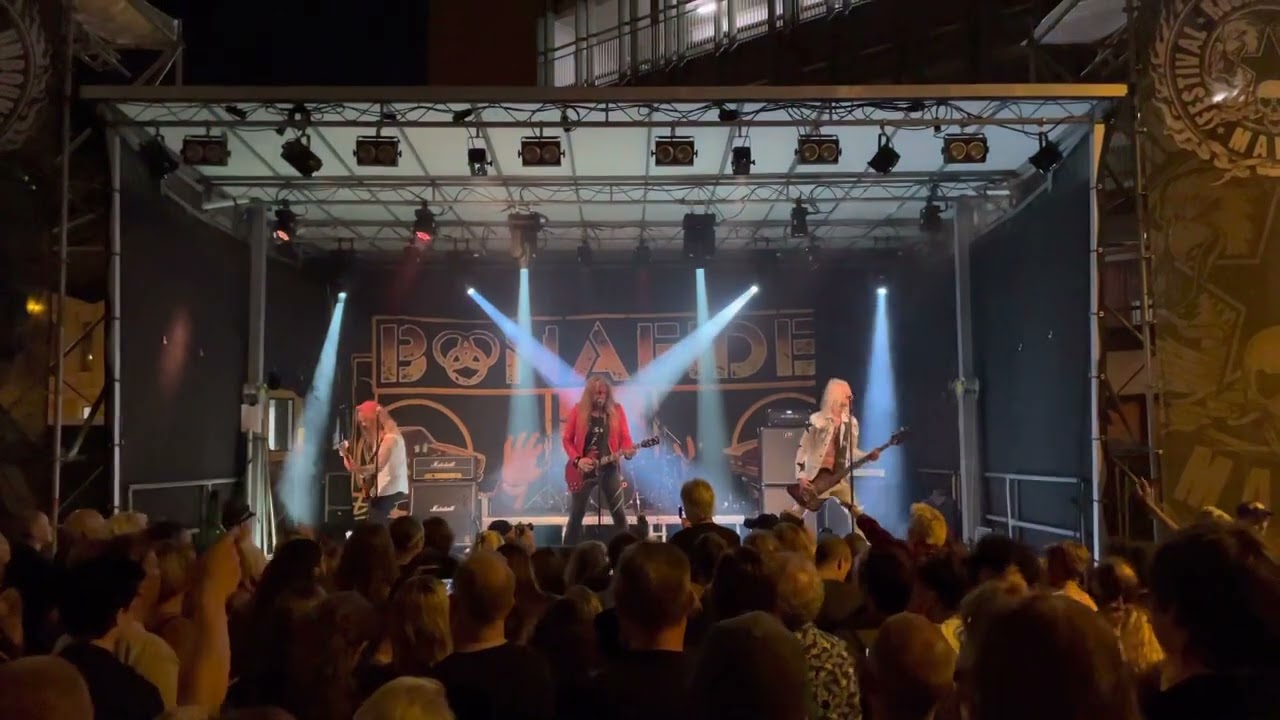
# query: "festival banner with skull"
{"points": [[1212, 108], [452, 384]]}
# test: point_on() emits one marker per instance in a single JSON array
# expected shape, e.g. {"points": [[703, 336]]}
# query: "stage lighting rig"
{"points": [[674, 151], [741, 161], [818, 149], [931, 217], [424, 227], [157, 157], [886, 158], [642, 255], [964, 149], [541, 151], [699, 236], [524, 236], [377, 151], [1048, 157], [799, 220], [584, 253], [286, 226], [297, 152], [205, 150], [478, 161]]}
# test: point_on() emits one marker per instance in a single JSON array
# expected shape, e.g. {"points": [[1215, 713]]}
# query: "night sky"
{"points": [[303, 42]]}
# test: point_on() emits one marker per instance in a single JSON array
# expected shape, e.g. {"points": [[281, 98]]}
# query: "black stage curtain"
{"points": [[1031, 333], [184, 316]]}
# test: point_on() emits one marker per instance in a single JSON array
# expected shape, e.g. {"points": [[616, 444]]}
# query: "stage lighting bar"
{"points": [[930, 217], [524, 229], [205, 150], [886, 158], [799, 220], [541, 151], [478, 161], [741, 161], [1048, 157], [377, 151], [157, 158], [818, 149], [964, 149], [674, 151], [297, 152], [424, 227], [699, 236], [285, 229]]}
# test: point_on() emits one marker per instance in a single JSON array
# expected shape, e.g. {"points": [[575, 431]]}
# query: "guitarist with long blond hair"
{"points": [[830, 442], [596, 427], [378, 460]]}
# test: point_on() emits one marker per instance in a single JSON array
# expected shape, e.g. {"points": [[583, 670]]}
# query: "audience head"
{"points": [[368, 563], [126, 522], [909, 669], [794, 538], [980, 608], [407, 698], [1216, 600], [488, 540], [295, 567], [43, 687], [699, 501], [588, 565], [484, 591], [327, 645], [1255, 515], [941, 584], [418, 625], [653, 593], [1066, 562], [548, 568], [751, 667], [437, 535], [84, 524], [504, 528], [1052, 658], [762, 541], [1114, 583], [798, 586], [617, 545], [704, 557], [36, 530], [1211, 514], [521, 564], [997, 556], [566, 633], [926, 529], [741, 585], [96, 595], [406, 537], [176, 563], [887, 576], [833, 558]]}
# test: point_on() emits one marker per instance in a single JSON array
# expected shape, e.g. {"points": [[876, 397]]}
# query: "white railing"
{"points": [[683, 30]]}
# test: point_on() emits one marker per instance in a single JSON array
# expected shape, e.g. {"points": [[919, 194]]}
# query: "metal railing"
{"points": [[683, 30], [188, 502], [1011, 520]]}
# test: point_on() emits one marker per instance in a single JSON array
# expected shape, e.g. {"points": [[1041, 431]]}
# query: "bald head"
{"points": [[43, 687], [912, 664], [85, 524], [833, 558], [485, 588]]}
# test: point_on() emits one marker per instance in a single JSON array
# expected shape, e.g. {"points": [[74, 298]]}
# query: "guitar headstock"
{"points": [[648, 442], [899, 436]]}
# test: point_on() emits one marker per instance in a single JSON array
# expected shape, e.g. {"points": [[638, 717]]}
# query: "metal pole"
{"points": [[1096, 357], [114, 150], [258, 475], [64, 213], [971, 479]]}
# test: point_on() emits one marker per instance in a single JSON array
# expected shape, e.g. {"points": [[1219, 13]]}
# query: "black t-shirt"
{"points": [[118, 692], [507, 682], [597, 435], [688, 537], [644, 685]]}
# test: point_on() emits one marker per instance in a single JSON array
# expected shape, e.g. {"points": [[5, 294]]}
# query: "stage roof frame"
{"points": [[608, 190]]}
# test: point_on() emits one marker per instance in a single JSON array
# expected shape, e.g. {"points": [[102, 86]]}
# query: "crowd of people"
{"points": [[389, 622]]}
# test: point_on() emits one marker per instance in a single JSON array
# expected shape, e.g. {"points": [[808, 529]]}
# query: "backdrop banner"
{"points": [[453, 385]]}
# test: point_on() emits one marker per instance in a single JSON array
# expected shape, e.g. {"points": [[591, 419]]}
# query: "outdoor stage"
{"points": [[876, 258]]}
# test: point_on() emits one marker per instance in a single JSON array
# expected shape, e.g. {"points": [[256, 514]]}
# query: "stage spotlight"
{"points": [[673, 151], [424, 227], [157, 158], [205, 150], [342, 296], [524, 229], [699, 236], [642, 254], [1048, 157], [755, 289], [799, 220], [964, 149], [471, 291], [584, 253], [297, 152], [540, 151], [742, 162], [478, 161], [818, 149], [930, 217], [882, 291], [285, 229], [377, 151], [886, 158]]}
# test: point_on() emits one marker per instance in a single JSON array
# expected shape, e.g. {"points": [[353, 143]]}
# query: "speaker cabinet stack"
{"points": [[453, 501]]}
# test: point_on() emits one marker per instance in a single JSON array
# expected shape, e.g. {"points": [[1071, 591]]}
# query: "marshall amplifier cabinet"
{"points": [[453, 501], [445, 468], [778, 454]]}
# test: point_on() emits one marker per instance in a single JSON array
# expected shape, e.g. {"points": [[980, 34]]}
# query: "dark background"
{"points": [[1031, 324]]}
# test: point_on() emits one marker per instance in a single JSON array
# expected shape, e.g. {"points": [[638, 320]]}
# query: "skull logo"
{"points": [[1268, 98], [1262, 371]]}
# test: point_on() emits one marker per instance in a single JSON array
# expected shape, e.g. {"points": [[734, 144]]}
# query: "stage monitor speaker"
{"points": [[778, 455], [455, 502], [337, 490]]}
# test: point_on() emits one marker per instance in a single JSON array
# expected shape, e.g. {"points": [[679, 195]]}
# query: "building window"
{"points": [[279, 424]]}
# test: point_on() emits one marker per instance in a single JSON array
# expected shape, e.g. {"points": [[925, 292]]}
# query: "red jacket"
{"points": [[574, 433]]}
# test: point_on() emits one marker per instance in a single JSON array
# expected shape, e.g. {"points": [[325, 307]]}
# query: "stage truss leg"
{"points": [[965, 230]]}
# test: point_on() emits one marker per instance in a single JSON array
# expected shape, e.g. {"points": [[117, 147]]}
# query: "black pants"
{"points": [[380, 507], [609, 485]]}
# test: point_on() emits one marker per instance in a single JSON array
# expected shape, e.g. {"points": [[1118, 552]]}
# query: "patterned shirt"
{"points": [[832, 674]]}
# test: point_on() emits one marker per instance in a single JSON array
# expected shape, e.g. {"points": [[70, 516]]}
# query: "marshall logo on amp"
{"points": [[436, 468], [443, 508]]}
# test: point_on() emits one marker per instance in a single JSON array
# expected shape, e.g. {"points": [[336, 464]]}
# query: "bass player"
{"points": [[596, 424], [830, 442], [378, 460]]}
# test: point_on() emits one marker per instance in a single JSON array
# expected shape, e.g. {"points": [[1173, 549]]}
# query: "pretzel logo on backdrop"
{"points": [[466, 357], [1215, 67], [24, 71]]}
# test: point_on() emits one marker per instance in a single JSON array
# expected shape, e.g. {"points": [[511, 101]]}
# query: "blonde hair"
{"points": [[926, 527], [586, 403], [126, 522], [829, 393], [418, 625], [699, 500], [1138, 643], [488, 540], [1067, 561], [1211, 514], [407, 698], [795, 539]]}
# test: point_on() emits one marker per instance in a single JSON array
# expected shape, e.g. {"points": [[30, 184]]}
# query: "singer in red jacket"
{"points": [[597, 424]]}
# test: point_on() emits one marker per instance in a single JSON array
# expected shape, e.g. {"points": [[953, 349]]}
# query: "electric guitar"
{"points": [[575, 478], [809, 499], [367, 481]]}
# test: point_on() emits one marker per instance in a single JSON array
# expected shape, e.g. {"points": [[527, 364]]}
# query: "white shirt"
{"points": [[394, 476]]}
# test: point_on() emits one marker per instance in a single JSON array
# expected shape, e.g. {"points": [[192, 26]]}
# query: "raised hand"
{"points": [[522, 465]]}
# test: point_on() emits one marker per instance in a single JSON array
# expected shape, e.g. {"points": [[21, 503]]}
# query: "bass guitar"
{"points": [[575, 478], [367, 482], [810, 498]]}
